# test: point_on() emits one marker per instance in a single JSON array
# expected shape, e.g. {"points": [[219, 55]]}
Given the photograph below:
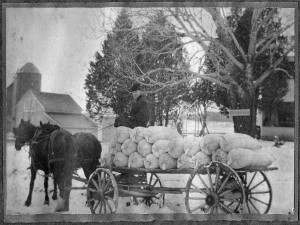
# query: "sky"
{"points": [[57, 42], [60, 42]]}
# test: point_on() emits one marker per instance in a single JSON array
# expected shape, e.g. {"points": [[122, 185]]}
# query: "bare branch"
{"points": [[275, 64]]}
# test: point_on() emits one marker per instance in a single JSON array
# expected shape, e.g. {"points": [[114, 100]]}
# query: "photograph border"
{"points": [[56, 217]]}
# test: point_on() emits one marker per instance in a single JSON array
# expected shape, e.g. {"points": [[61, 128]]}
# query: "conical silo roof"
{"points": [[29, 68]]}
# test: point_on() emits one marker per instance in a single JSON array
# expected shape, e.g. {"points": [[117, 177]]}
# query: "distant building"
{"points": [[26, 101], [281, 120]]}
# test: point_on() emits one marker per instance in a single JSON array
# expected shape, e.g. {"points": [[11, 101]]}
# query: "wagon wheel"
{"points": [[216, 190], [258, 192], [102, 192], [152, 182]]}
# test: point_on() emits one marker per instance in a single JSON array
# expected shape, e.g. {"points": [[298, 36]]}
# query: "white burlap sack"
{"points": [[160, 147], [167, 162], [184, 161], [129, 147], [135, 160], [200, 159], [220, 156], [191, 145], [137, 134], [151, 162], [241, 158], [155, 133], [176, 147], [114, 146], [211, 142], [122, 134], [144, 148], [120, 159], [237, 140]]}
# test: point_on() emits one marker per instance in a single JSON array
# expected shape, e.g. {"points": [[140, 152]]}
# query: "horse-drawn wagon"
{"points": [[215, 188]]}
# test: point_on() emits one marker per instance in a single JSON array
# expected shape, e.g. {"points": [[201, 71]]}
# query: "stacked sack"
{"points": [[241, 151], [162, 147], [198, 150], [153, 147]]}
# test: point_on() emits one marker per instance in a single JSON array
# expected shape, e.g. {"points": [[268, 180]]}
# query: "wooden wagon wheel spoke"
{"points": [[219, 207], [206, 210], [251, 180], [226, 192], [155, 183], [107, 185], [202, 181], [210, 179], [227, 208], [99, 180], [104, 204], [92, 190], [259, 200], [257, 185], [201, 207], [248, 207], [217, 178], [198, 189], [224, 183], [109, 207], [100, 207], [196, 198], [96, 206], [96, 185], [91, 200], [260, 192], [150, 178], [217, 211], [254, 206]]}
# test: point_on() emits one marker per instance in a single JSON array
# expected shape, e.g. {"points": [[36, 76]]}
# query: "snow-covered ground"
{"points": [[18, 178]]}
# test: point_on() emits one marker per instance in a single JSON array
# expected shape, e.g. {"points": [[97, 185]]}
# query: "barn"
{"points": [[25, 100]]}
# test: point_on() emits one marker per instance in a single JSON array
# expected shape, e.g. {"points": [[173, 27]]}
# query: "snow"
{"points": [[18, 179]]}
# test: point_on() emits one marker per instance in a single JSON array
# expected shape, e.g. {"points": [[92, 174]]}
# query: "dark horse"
{"points": [[38, 151], [89, 149], [53, 140], [56, 150]]}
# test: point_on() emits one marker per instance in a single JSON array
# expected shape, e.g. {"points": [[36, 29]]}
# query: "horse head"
{"points": [[23, 133]]}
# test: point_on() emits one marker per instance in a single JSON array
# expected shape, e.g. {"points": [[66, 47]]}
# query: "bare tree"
{"points": [[199, 28]]}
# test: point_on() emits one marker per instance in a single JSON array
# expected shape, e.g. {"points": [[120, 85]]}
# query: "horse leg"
{"points": [[33, 176], [46, 202], [54, 196]]}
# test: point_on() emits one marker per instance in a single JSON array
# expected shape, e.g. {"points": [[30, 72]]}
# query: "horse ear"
{"points": [[49, 122], [22, 120], [15, 130], [41, 124]]}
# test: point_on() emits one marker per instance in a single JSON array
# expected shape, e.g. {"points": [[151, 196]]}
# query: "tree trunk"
{"points": [[203, 120]]}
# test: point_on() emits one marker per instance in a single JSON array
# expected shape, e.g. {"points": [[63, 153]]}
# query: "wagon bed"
{"points": [[215, 188]]}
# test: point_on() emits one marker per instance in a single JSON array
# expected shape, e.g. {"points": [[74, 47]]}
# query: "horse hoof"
{"points": [[60, 207], [46, 202], [27, 203], [54, 197]]}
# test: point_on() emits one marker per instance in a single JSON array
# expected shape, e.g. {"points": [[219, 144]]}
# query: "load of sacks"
{"points": [[163, 147]]}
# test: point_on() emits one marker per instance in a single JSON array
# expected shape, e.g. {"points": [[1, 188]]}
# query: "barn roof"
{"points": [[58, 103], [73, 121]]}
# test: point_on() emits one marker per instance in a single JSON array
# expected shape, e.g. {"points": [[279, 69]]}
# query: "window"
{"points": [[30, 105], [286, 114]]}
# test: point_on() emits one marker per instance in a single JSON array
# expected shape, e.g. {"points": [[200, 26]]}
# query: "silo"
{"points": [[28, 77]]}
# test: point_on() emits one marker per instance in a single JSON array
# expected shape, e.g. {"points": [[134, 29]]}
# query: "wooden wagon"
{"points": [[212, 189]]}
